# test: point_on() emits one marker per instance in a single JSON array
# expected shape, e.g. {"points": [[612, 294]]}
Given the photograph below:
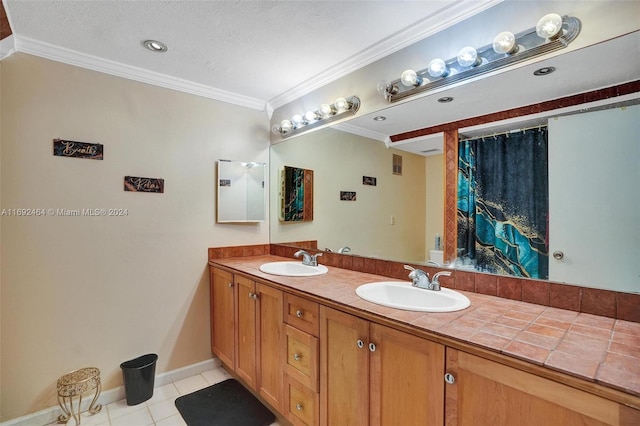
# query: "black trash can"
{"points": [[138, 375]]}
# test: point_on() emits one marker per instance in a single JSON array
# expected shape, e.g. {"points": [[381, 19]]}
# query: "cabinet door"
{"points": [[488, 393], [406, 379], [222, 316], [270, 344], [246, 330], [344, 369]]}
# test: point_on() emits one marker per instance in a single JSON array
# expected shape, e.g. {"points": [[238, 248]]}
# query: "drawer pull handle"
{"points": [[372, 347], [360, 344], [299, 407], [296, 357], [299, 313]]}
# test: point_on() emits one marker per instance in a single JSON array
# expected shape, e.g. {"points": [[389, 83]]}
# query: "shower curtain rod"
{"points": [[524, 129]]}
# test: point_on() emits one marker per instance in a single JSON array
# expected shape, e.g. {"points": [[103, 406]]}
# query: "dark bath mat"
{"points": [[226, 403]]}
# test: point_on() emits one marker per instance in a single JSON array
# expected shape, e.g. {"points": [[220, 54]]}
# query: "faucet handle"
{"points": [[437, 275], [409, 268], [435, 284]]}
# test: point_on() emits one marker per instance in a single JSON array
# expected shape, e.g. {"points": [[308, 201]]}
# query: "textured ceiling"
{"points": [[256, 49]]}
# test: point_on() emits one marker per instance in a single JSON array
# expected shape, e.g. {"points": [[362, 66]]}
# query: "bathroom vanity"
{"points": [[318, 354]]}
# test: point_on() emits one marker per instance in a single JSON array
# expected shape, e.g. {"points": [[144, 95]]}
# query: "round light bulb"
{"points": [[505, 42], [438, 68], [341, 104], [381, 87], [297, 120], [409, 78], [326, 110], [286, 126], [468, 57], [549, 26], [310, 116], [276, 130]]}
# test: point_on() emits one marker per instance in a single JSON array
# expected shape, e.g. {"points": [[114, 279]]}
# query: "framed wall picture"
{"points": [[296, 200]]}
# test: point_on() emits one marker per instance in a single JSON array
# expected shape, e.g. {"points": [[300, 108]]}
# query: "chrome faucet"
{"points": [[308, 259], [421, 279], [344, 249]]}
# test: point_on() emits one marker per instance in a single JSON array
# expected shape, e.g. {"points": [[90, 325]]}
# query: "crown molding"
{"points": [[71, 57], [457, 12], [7, 47], [350, 128]]}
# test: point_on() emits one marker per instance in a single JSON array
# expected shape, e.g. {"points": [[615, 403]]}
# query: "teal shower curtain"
{"points": [[503, 203]]}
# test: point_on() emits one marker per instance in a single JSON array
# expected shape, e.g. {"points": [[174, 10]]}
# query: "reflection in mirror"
{"points": [[358, 200], [588, 233], [296, 198], [594, 206], [503, 203], [241, 191]]}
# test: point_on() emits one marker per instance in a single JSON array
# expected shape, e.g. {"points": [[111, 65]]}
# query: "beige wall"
{"points": [[96, 291], [339, 160], [434, 211]]}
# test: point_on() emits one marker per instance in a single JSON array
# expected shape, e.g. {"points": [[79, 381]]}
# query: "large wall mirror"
{"points": [[594, 172]]}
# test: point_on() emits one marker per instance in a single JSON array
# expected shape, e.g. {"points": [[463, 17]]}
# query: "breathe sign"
{"points": [[143, 184], [63, 148]]}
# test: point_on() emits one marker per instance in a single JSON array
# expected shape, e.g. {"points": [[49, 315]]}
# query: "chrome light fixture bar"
{"points": [[323, 115], [552, 32]]}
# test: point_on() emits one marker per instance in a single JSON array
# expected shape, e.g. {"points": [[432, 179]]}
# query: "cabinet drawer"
{"points": [[302, 357], [302, 313], [302, 404]]}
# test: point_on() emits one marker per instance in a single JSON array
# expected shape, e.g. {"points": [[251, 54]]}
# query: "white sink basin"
{"points": [[292, 269], [402, 295]]}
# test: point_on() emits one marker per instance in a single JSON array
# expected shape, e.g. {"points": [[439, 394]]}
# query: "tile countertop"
{"points": [[595, 348]]}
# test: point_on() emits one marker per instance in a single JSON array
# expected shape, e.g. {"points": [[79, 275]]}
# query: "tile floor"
{"points": [[160, 410]]}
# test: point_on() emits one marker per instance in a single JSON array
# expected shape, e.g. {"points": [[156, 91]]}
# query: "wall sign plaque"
{"points": [[143, 184], [369, 180], [64, 148], [347, 196]]}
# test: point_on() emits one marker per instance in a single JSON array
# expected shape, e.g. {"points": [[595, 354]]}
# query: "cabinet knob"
{"points": [[299, 313], [558, 255], [253, 296], [296, 357], [360, 344], [299, 407], [230, 285], [372, 347], [449, 378]]}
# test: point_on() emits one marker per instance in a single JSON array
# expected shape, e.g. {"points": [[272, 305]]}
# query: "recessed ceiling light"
{"points": [[379, 118], [544, 71], [155, 45], [445, 99]]}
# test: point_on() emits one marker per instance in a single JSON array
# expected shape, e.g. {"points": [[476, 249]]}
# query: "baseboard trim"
{"points": [[50, 415]]}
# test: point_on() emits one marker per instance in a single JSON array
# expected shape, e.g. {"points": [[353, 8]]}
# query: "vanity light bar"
{"points": [[323, 115], [506, 49]]}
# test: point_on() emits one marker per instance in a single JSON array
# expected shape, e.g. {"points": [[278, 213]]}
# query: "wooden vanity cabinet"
{"points": [[301, 398], [371, 374], [222, 305], [319, 365], [257, 329], [486, 392]]}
